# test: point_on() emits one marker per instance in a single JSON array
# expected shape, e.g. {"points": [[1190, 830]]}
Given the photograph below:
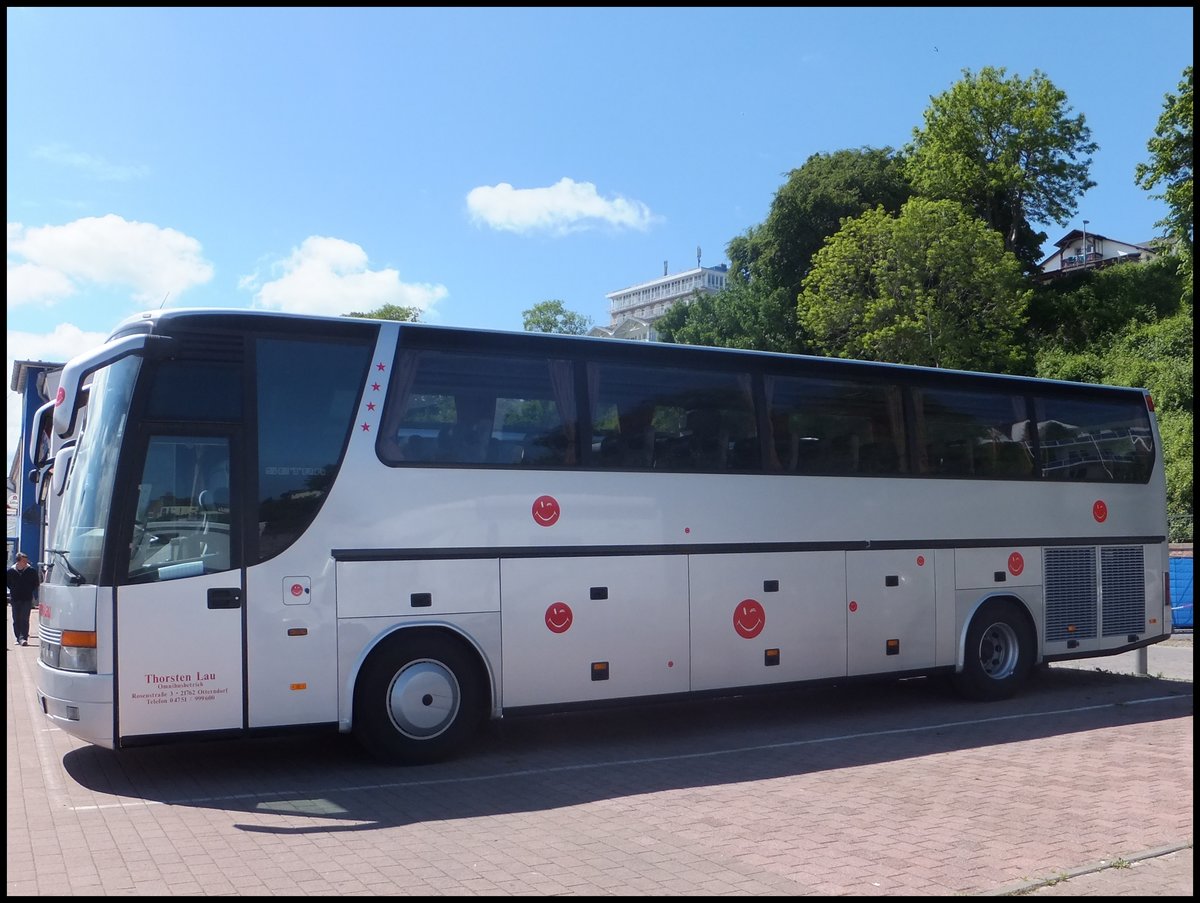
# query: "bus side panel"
{"points": [[891, 610], [946, 613], [582, 629], [997, 568], [767, 618], [291, 636], [372, 589]]}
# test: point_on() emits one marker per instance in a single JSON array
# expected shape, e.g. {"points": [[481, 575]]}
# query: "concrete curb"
{"points": [[1104, 864]]}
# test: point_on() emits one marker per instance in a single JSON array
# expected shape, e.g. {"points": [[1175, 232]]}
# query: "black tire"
{"points": [[999, 653], [419, 698]]}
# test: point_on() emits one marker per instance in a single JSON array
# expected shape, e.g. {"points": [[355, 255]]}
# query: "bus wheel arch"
{"points": [[420, 695], [999, 650]]}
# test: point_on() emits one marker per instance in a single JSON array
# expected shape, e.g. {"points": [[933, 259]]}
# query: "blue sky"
{"points": [[474, 162]]}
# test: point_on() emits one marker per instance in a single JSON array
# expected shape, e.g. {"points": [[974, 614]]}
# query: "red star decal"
{"points": [[380, 367], [366, 427], [370, 405], [374, 387]]}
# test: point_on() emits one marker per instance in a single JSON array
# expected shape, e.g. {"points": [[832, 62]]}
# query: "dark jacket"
{"points": [[22, 585]]}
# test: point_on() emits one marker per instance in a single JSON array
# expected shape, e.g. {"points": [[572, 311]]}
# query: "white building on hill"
{"points": [[634, 310]]}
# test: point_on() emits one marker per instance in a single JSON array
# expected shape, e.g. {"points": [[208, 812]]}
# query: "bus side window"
{"points": [[633, 445], [878, 457], [466, 442], [489, 410], [835, 426], [677, 418], [308, 393], [1087, 440], [971, 433]]}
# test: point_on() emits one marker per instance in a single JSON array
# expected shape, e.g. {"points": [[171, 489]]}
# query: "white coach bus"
{"points": [[400, 530]]}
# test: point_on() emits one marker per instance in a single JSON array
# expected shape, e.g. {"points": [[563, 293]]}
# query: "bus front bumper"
{"points": [[79, 704]]}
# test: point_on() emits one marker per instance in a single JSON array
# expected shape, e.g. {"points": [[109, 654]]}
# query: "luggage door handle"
{"points": [[225, 597]]}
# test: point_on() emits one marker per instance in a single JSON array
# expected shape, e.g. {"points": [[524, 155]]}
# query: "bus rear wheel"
{"points": [[999, 652], [418, 699]]}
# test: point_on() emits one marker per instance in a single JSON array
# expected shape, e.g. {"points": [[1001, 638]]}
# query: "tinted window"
{"points": [[1082, 439], [307, 397], [672, 418], [196, 391], [972, 434], [479, 409], [825, 426]]}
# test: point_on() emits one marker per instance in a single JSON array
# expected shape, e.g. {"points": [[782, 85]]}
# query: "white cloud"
{"points": [[567, 206], [57, 347], [49, 263], [330, 276], [28, 282]]}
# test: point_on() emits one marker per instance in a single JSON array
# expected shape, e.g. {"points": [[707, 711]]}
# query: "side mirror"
{"points": [[61, 468]]}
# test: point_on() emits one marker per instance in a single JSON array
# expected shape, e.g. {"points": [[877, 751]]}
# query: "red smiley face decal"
{"points": [[546, 511], [559, 617], [1100, 511], [1016, 564], [749, 619]]}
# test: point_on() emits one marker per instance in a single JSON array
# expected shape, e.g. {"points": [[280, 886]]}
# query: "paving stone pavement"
{"points": [[1081, 786]]}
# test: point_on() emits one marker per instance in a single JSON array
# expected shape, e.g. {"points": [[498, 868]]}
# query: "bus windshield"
{"points": [[78, 540]]}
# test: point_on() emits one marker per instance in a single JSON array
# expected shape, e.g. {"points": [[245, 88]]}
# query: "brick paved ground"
{"points": [[1081, 786]]}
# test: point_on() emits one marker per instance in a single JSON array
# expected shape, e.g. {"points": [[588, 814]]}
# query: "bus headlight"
{"points": [[78, 652]]}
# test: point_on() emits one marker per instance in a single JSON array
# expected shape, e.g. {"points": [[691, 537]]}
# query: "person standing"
{"points": [[22, 582]]}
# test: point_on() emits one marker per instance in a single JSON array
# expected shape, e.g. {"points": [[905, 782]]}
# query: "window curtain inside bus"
{"points": [[563, 387], [775, 460], [894, 399]]}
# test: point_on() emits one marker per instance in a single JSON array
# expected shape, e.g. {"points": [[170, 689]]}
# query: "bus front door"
{"points": [[179, 648]]}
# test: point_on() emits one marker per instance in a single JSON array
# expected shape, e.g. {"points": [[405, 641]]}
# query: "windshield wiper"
{"points": [[76, 578]]}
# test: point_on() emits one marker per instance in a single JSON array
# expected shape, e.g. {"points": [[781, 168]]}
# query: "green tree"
{"points": [[1008, 150], [391, 312], [810, 207], [757, 309], [553, 316], [1090, 306], [737, 317], [931, 286], [1171, 166]]}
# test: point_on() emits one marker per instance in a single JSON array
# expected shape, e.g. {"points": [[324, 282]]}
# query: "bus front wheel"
{"points": [[999, 652], [418, 699]]}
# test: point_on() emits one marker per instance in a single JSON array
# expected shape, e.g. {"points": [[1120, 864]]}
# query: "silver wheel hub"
{"points": [[999, 651], [424, 699]]}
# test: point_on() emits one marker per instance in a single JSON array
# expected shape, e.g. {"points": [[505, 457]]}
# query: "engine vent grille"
{"points": [[1122, 590], [1071, 597]]}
